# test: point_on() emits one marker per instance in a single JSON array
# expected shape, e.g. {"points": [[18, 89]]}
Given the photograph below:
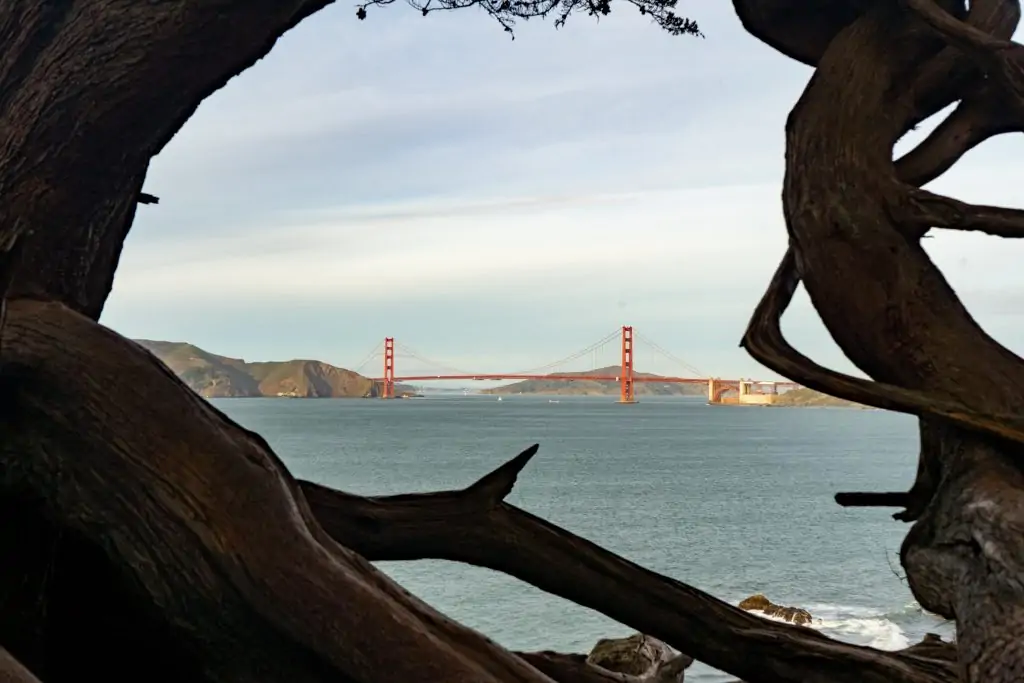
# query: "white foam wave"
{"points": [[856, 625], [879, 633]]}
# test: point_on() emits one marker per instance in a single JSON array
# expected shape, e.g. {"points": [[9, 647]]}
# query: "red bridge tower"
{"points": [[387, 389], [626, 378]]}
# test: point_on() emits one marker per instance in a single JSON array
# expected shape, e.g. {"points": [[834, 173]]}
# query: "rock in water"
{"points": [[642, 656], [759, 603]]}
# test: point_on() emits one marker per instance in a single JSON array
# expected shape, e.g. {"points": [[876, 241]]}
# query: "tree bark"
{"points": [[90, 91], [852, 218]]}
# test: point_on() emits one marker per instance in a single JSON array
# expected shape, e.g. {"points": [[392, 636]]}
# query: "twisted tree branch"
{"points": [[764, 341], [1000, 57], [978, 117], [958, 33]]}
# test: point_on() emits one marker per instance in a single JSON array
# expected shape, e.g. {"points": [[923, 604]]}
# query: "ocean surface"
{"points": [[732, 500]]}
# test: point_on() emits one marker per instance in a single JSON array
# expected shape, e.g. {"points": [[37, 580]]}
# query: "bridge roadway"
{"points": [[555, 377]]}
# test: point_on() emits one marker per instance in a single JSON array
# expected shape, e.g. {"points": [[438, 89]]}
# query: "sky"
{"points": [[497, 204]]}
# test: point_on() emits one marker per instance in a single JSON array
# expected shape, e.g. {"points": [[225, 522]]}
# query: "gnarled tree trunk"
{"points": [[145, 535]]}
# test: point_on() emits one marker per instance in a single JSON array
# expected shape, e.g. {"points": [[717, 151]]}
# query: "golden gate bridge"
{"points": [[719, 390]]}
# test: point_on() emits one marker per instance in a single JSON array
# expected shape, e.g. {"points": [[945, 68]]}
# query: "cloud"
{"points": [[497, 202]]}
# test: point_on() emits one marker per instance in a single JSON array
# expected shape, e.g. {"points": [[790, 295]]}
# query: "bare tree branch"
{"points": [[928, 210], [1001, 58], [950, 76], [764, 341], [958, 33], [978, 117], [477, 527]]}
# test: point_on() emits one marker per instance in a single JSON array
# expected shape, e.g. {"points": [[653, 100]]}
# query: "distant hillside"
{"points": [[586, 387], [216, 376], [809, 398]]}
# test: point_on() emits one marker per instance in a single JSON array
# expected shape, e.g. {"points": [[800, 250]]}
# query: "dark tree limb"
{"points": [[207, 527], [928, 210], [764, 341], [793, 28], [889, 499], [958, 33], [977, 118], [476, 527], [904, 326], [1001, 58], [78, 126], [950, 75]]}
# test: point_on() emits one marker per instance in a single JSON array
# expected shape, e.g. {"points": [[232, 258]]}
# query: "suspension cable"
{"points": [[376, 349], [579, 354], [671, 356]]}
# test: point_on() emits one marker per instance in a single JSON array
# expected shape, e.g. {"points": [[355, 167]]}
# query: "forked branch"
{"points": [[477, 527], [958, 33], [1002, 60]]}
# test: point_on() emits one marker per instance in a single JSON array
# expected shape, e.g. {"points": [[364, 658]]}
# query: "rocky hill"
{"points": [[215, 376], [587, 387], [809, 398]]}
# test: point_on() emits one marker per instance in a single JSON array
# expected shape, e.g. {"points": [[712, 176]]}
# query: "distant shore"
{"points": [[809, 398]]}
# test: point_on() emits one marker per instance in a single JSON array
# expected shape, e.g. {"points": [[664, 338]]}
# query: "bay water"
{"points": [[733, 500]]}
